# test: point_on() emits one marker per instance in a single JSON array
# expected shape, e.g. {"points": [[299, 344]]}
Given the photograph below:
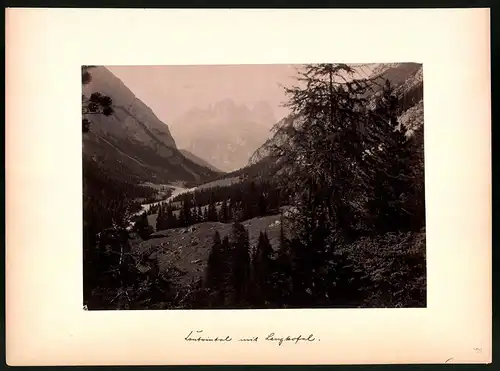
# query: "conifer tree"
{"points": [[227, 291], [223, 212], [322, 154], [187, 218], [240, 262], [388, 166], [250, 202], [226, 212], [415, 200], [282, 274], [170, 217], [175, 221], [214, 272], [323, 148], [160, 219], [231, 209], [212, 211], [96, 104], [194, 215], [263, 204], [182, 218], [142, 227], [262, 270], [199, 214]]}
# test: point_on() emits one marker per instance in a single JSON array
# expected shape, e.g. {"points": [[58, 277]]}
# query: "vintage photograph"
{"points": [[253, 186]]}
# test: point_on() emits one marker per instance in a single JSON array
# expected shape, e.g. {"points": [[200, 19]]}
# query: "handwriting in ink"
{"points": [[295, 339], [200, 338]]}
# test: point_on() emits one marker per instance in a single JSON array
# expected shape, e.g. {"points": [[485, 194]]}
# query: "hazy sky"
{"points": [[172, 90]]}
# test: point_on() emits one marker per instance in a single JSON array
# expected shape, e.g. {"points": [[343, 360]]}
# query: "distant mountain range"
{"points": [[133, 143], [224, 134]]}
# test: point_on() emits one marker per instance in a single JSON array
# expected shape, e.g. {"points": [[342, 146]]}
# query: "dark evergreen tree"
{"points": [[223, 212], [262, 204], [282, 275], [187, 217], [142, 227], [323, 149], [176, 220], [96, 104], [240, 263], [212, 211], [182, 221], [231, 209], [227, 292], [388, 165], [415, 199], [322, 153], [199, 214], [161, 219], [262, 265], [250, 202], [171, 218], [214, 277]]}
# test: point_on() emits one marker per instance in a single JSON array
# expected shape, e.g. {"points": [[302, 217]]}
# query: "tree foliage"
{"points": [[96, 104], [387, 164]]}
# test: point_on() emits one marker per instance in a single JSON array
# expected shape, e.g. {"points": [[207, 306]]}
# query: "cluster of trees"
{"points": [[245, 191], [164, 193], [107, 201], [238, 276], [352, 170], [350, 165], [228, 270], [265, 168], [411, 97], [238, 202]]}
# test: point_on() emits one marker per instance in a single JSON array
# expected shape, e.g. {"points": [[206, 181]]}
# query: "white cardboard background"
{"points": [[45, 49]]}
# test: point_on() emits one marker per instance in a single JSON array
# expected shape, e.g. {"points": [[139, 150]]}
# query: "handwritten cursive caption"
{"points": [[199, 336]]}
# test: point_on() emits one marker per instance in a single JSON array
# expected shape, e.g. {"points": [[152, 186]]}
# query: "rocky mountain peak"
{"points": [[225, 133]]}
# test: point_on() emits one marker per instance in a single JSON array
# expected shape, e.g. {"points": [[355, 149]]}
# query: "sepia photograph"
{"points": [[253, 186], [243, 197]]}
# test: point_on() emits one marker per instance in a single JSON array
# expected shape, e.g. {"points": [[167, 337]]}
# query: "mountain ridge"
{"points": [[199, 161], [133, 139]]}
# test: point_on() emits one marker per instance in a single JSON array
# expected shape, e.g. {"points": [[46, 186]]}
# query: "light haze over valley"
{"points": [[220, 113]]}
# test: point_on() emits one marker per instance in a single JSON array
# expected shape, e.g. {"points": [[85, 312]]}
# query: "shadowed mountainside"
{"points": [[133, 141]]}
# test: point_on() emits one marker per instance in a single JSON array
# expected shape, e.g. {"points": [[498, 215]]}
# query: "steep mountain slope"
{"points": [[408, 81], [133, 142], [397, 73], [225, 134], [199, 161]]}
